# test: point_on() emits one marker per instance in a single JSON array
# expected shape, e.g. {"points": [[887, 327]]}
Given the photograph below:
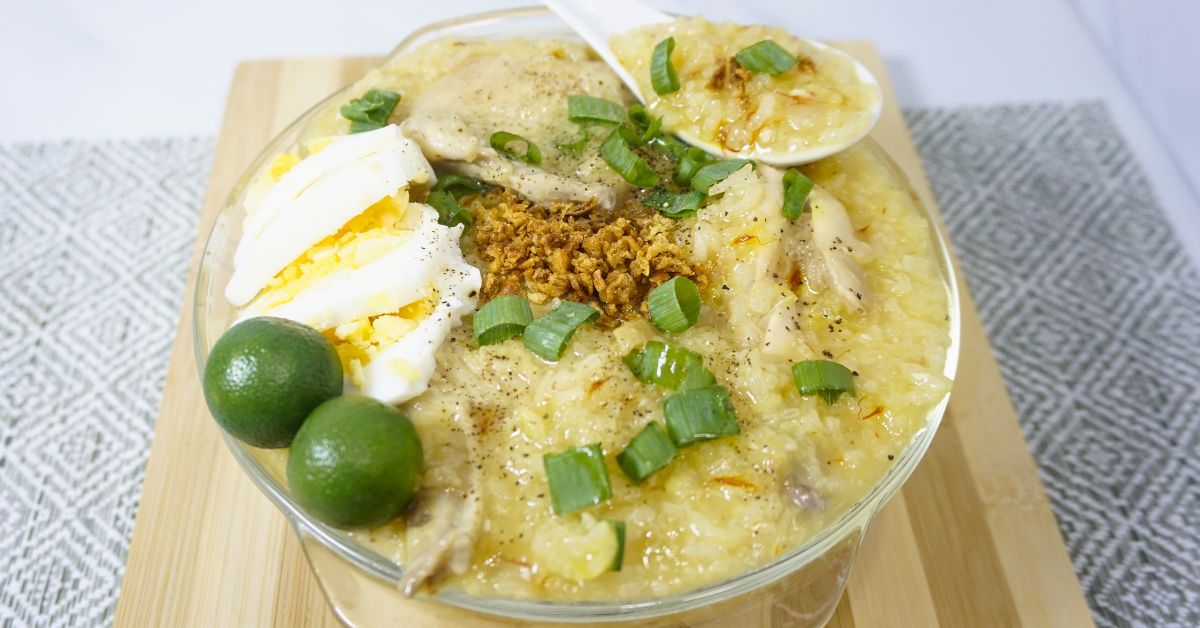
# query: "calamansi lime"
{"points": [[265, 375], [355, 462]]}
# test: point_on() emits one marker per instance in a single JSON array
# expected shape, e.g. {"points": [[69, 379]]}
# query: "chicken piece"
{"points": [[799, 484], [441, 535], [454, 118], [803, 495], [444, 141], [837, 246], [443, 526], [782, 336]]}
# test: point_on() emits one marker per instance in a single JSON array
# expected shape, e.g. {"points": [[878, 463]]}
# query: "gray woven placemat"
{"points": [[94, 245], [1093, 310], [1090, 304]]}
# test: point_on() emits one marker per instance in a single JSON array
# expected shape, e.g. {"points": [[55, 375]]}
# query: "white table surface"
{"points": [[124, 68]]}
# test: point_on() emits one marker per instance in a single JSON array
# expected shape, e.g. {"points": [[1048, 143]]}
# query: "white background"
{"points": [[122, 68]]}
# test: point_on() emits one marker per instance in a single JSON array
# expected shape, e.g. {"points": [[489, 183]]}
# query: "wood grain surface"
{"points": [[969, 541]]}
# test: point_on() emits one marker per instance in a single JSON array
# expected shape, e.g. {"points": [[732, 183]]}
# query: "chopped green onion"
{"points": [[459, 185], [633, 139], [501, 318], [670, 145], [642, 128], [662, 72], [584, 109], [668, 366], [700, 414], [646, 453], [620, 157], [690, 162], [713, 174], [450, 212], [646, 126], [765, 56], [824, 378], [501, 139], [675, 305], [548, 336], [575, 146], [618, 528], [674, 205], [578, 478], [796, 188], [371, 111]]}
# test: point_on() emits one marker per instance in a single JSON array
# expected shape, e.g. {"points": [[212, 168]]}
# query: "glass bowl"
{"points": [[800, 588]]}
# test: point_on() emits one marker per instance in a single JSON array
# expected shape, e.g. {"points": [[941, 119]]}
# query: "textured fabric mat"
{"points": [[94, 244], [1091, 305], [1093, 309]]}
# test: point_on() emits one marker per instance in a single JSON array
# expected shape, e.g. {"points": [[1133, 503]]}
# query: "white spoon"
{"points": [[597, 21]]}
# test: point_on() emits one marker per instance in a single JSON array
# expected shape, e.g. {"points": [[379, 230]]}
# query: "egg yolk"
{"points": [[364, 239], [357, 342]]}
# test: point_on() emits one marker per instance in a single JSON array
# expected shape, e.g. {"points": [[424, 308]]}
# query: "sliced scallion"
{"points": [[459, 185], [796, 188], [501, 318], [578, 478], [620, 157], [371, 110], [675, 305], [574, 146], [618, 528], [548, 336], [714, 173], [662, 71], [700, 414], [646, 453], [825, 378], [642, 127], [673, 205], [766, 57], [670, 145], [691, 160], [669, 366], [584, 109], [450, 212], [633, 138], [501, 139]]}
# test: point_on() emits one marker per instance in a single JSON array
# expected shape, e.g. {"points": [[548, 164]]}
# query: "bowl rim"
{"points": [[379, 567]]}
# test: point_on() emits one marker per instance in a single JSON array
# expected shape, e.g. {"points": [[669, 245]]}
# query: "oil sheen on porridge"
{"points": [[872, 298]]}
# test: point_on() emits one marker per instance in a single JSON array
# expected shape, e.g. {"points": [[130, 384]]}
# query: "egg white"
{"points": [[399, 277], [317, 197]]}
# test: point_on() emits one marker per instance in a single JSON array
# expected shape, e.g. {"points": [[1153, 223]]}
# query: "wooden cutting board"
{"points": [[969, 541]]}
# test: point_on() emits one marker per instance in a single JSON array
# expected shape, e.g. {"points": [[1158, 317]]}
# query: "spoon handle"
{"points": [[597, 21]]}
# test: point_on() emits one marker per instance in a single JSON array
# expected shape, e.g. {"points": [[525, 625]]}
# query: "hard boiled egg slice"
{"points": [[387, 317], [401, 370], [293, 175], [399, 277], [317, 197]]}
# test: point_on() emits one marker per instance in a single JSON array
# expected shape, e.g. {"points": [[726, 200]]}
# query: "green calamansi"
{"points": [[265, 375], [355, 462]]}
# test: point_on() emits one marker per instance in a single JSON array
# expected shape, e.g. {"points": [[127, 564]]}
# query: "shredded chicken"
{"points": [[802, 494], [441, 535], [837, 245], [444, 524], [782, 337], [444, 141], [578, 251], [453, 119]]}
